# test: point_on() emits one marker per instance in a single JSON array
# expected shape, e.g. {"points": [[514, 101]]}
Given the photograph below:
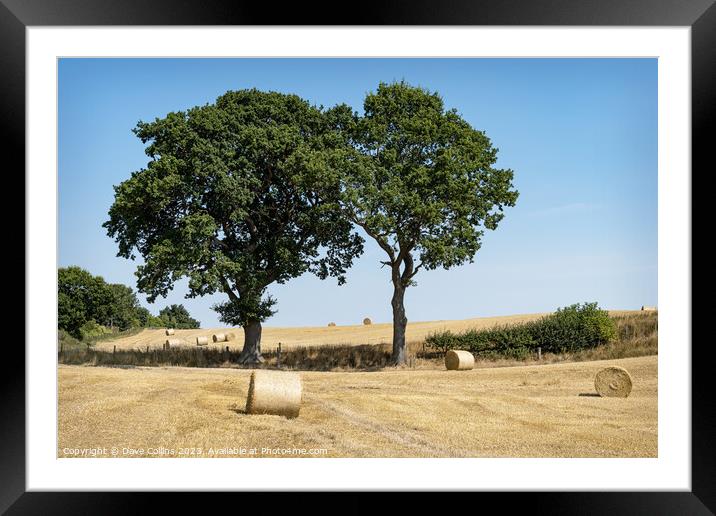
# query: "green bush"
{"points": [[572, 328], [91, 330]]}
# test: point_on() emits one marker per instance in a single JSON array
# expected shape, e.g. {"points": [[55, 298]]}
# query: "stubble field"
{"points": [[528, 411], [321, 335]]}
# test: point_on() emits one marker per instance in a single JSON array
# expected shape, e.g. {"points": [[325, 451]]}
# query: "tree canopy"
{"points": [[87, 305], [230, 200], [176, 316], [420, 181]]}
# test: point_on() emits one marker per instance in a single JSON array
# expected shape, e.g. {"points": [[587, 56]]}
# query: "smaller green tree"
{"points": [[122, 313], [421, 182], [142, 316], [176, 316], [80, 297]]}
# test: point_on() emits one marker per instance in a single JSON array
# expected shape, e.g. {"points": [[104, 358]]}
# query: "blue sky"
{"points": [[580, 134]]}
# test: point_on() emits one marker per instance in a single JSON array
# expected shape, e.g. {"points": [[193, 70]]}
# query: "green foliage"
{"points": [[569, 329], [156, 322], [142, 316], [575, 327], [419, 179], [91, 330], [123, 310], [230, 201], [81, 297], [86, 302], [176, 316]]}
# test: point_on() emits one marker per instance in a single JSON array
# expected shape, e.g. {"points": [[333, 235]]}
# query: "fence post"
{"points": [[114, 350], [147, 349], [278, 356], [539, 353]]}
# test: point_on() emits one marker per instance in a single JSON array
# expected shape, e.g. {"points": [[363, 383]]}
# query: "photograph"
{"points": [[357, 257]]}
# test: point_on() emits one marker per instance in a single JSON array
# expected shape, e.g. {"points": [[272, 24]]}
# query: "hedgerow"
{"points": [[572, 328]]}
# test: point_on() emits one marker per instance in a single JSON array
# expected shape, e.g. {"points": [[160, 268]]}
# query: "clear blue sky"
{"points": [[580, 134]]}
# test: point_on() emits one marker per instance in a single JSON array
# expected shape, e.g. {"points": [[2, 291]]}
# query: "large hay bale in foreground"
{"points": [[648, 309], [614, 382], [274, 392], [367, 321], [459, 360], [169, 331], [172, 343], [219, 337], [202, 341]]}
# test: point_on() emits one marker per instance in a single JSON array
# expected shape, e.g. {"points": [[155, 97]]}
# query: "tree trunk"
{"points": [[400, 322], [251, 354]]}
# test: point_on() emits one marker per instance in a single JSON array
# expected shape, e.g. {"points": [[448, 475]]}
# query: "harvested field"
{"points": [[375, 333], [528, 411]]}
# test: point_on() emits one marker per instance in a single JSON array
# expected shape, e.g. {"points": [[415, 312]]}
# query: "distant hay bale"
{"points": [[648, 309], [172, 343], [202, 341], [274, 392], [219, 337], [169, 331], [331, 324], [367, 321], [459, 360], [614, 382]]}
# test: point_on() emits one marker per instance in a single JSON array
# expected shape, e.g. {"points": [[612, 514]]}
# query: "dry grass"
{"points": [[376, 333], [529, 411]]}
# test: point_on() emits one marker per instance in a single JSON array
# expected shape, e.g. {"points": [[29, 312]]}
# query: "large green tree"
{"points": [[421, 182], [230, 200]]}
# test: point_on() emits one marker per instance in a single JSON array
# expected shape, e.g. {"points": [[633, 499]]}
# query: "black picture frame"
{"points": [[700, 15]]}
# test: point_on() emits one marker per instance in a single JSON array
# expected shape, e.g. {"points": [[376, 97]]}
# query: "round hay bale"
{"points": [[172, 343], [331, 324], [648, 309], [231, 336], [459, 360], [169, 331], [614, 382], [219, 337], [202, 341], [367, 321], [274, 392]]}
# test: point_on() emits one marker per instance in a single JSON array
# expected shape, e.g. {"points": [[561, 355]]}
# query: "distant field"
{"points": [[321, 335], [528, 411]]}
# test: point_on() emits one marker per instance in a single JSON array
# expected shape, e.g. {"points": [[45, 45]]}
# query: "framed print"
{"points": [[432, 249]]}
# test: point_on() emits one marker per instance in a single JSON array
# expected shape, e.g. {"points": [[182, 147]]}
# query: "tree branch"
{"points": [[228, 290], [378, 238], [415, 271]]}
